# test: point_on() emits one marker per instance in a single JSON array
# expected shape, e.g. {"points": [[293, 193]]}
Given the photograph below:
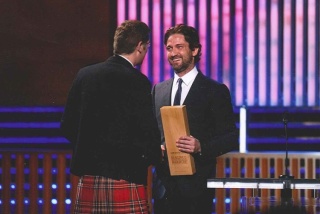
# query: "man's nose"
{"points": [[173, 52]]}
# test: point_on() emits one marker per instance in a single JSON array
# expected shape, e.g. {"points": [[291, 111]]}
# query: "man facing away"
{"points": [[211, 123], [109, 120]]}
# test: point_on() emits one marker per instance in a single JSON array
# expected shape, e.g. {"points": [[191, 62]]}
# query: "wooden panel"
{"points": [[33, 180], [220, 193], [264, 167], [6, 180], [249, 174], [47, 181], [309, 174], [279, 171], [235, 193], [61, 182], [295, 172], [74, 185], [265, 193], [19, 182], [220, 168]]}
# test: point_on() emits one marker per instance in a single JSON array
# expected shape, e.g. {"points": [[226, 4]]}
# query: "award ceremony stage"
{"points": [[34, 160]]}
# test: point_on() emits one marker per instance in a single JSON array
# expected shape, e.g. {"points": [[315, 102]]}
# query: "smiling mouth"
{"points": [[176, 60]]}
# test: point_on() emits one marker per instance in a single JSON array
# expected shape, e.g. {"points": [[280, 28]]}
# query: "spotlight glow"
{"points": [[68, 201], [54, 201]]}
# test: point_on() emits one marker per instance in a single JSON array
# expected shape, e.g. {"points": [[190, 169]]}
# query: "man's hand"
{"points": [[188, 144], [163, 149]]}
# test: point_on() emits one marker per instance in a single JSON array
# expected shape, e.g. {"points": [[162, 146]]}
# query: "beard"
{"points": [[183, 65]]}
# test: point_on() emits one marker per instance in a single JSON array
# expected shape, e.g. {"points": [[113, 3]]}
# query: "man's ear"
{"points": [[139, 47], [195, 51]]}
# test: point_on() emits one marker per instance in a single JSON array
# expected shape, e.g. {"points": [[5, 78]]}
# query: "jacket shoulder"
{"points": [[164, 83]]}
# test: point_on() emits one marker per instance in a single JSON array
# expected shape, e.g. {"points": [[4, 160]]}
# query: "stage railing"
{"points": [[36, 182], [39, 181], [263, 165]]}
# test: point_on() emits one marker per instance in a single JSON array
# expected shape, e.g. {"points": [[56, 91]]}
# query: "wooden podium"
{"points": [[175, 124]]}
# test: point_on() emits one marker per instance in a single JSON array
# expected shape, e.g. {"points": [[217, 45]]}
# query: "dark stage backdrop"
{"points": [[44, 43]]}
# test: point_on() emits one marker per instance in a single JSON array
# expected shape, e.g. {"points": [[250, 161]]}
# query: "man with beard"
{"points": [[211, 123]]}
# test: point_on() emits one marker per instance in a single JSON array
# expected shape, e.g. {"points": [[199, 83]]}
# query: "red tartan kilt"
{"points": [[97, 194]]}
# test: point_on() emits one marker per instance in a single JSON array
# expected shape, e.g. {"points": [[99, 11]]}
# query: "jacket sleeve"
{"points": [[146, 123], [224, 137], [70, 118]]}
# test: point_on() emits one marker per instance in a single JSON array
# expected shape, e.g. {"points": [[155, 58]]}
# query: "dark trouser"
{"points": [[202, 204]]}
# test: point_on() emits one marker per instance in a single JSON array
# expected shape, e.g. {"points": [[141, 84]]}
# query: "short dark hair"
{"points": [[128, 35], [190, 35]]}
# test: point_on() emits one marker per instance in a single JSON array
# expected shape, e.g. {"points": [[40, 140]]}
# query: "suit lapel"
{"points": [[195, 89], [165, 93]]}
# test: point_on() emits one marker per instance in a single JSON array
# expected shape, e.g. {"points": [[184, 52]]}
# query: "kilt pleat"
{"points": [[97, 194]]}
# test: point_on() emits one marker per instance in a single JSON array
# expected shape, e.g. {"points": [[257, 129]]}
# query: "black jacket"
{"points": [[108, 119], [211, 121]]}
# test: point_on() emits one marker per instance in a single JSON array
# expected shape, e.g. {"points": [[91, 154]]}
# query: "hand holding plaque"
{"points": [[175, 124]]}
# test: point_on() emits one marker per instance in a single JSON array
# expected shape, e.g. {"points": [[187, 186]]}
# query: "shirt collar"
{"points": [[188, 77], [126, 59]]}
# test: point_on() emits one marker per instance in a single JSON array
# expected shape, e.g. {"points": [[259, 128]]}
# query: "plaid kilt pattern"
{"points": [[97, 194]]}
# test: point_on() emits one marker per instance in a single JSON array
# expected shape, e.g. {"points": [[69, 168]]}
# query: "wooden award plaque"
{"points": [[175, 124]]}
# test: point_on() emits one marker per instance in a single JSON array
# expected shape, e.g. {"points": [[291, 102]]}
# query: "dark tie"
{"points": [[177, 98]]}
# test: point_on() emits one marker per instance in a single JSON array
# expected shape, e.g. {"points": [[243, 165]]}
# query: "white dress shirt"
{"points": [[186, 84]]}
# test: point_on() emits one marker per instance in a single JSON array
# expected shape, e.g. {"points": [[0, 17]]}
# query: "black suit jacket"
{"points": [[108, 118], [211, 121]]}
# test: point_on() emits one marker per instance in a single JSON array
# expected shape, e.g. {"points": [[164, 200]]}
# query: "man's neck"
{"points": [[128, 58]]}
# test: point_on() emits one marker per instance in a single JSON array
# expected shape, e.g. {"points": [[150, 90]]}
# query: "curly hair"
{"points": [[190, 34]]}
